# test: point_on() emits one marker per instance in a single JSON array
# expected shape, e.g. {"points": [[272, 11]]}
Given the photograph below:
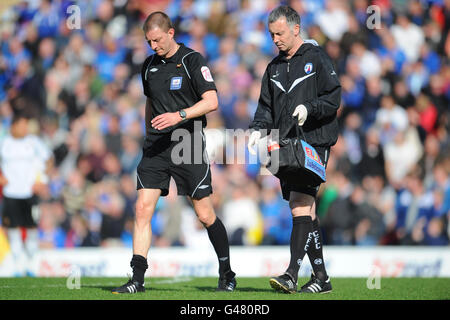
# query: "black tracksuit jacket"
{"points": [[307, 78]]}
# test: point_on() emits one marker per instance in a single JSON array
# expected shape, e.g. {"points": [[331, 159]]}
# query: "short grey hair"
{"points": [[292, 17]]}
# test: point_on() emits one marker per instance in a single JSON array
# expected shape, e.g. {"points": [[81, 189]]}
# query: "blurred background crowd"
{"points": [[388, 176]]}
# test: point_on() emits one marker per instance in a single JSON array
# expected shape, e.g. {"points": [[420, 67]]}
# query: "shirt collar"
{"points": [[176, 57], [303, 47]]}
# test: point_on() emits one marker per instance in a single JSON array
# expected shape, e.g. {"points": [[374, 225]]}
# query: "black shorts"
{"points": [[185, 160], [17, 212], [300, 185]]}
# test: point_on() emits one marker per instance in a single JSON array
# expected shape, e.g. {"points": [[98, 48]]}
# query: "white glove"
{"points": [[252, 141], [300, 112]]}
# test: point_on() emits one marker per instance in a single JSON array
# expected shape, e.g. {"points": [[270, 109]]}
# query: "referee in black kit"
{"points": [[299, 87], [180, 91]]}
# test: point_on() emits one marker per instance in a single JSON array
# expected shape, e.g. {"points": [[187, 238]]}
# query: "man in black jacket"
{"points": [[300, 87]]}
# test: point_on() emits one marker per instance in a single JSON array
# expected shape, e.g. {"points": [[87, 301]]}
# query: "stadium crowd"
{"points": [[388, 175]]}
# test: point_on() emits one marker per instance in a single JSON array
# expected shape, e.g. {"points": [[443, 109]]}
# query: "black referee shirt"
{"points": [[176, 83]]}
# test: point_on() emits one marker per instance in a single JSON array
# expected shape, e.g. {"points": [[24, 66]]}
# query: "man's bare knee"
{"points": [[145, 206], [301, 204], [143, 209], [204, 211]]}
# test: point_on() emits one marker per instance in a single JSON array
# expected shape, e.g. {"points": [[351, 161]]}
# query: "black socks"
{"points": [[301, 228], [139, 265], [306, 237], [219, 239], [315, 252]]}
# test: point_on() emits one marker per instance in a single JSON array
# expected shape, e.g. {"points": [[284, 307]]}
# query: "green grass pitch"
{"points": [[204, 289]]}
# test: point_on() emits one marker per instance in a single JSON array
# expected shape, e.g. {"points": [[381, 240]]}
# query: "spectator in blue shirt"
{"points": [[442, 187], [13, 54], [392, 51], [430, 59], [414, 206], [201, 40], [352, 92], [276, 214], [108, 58], [47, 19]]}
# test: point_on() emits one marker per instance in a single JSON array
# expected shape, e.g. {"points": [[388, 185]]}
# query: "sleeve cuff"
{"points": [[309, 108]]}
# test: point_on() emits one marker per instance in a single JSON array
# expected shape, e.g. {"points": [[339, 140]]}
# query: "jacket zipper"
{"points": [[287, 74]]}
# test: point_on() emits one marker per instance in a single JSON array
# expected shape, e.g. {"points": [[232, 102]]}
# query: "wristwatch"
{"points": [[182, 114]]}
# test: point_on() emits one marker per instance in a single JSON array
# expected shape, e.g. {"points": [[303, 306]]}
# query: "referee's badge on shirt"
{"points": [[206, 74], [175, 83]]}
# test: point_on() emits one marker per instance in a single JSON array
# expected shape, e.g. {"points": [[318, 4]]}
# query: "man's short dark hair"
{"points": [[292, 17], [157, 19], [19, 116]]}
